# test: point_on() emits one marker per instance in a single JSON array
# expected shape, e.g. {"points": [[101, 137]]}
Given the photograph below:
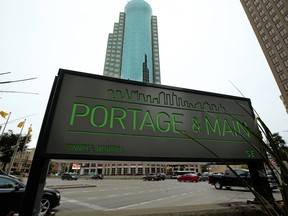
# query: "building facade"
{"points": [[133, 49], [269, 20]]}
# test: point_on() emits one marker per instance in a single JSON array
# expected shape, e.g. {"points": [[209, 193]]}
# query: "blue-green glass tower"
{"points": [[133, 49]]}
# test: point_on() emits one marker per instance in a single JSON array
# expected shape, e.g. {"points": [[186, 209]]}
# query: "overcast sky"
{"points": [[203, 46]]}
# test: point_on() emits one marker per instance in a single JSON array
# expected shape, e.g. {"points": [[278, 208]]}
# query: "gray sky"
{"points": [[203, 46]]}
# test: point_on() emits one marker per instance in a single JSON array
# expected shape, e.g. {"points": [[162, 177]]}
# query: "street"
{"points": [[118, 194]]}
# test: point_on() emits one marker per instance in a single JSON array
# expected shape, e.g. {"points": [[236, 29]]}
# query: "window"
{"points": [[264, 38], [268, 45], [286, 86], [283, 54], [119, 171], [275, 18], [274, 60], [283, 32], [7, 183], [279, 46], [264, 19], [275, 39], [279, 68], [272, 11], [271, 52], [268, 5], [283, 10], [268, 25], [279, 25], [271, 32], [286, 40], [283, 77], [286, 63], [279, 4]]}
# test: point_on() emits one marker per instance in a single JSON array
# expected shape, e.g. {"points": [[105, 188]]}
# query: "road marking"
{"points": [[88, 205], [143, 203]]}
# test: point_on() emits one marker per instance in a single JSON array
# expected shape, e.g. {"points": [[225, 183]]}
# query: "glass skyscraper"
{"points": [[133, 50]]}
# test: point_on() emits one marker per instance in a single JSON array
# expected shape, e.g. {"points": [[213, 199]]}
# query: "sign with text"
{"points": [[108, 118]]}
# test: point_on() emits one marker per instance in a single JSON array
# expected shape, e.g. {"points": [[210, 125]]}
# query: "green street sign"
{"points": [[106, 118]]}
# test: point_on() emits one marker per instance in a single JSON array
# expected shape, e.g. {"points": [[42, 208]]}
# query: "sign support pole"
{"points": [[40, 164], [259, 181]]}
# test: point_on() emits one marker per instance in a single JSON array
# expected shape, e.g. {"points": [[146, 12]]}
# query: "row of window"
{"points": [[275, 60]]}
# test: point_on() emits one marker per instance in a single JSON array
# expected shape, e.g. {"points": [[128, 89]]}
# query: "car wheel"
{"points": [[45, 205], [228, 188], [218, 185]]}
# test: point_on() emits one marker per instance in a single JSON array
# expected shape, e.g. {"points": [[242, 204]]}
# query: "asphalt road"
{"points": [[113, 195]]}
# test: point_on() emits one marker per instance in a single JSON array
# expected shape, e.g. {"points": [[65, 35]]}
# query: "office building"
{"points": [[269, 20], [133, 49]]}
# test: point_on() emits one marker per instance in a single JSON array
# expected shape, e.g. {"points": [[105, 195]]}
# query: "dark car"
{"points": [[97, 176], [12, 192], [151, 177], [69, 176], [188, 177], [162, 176], [204, 176]]}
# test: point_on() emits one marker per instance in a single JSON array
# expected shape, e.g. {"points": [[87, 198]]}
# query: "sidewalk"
{"points": [[232, 209]]}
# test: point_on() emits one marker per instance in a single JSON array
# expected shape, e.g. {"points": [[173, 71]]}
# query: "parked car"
{"points": [[188, 177], [181, 172], [151, 177], [204, 176], [12, 192], [69, 176], [97, 176], [229, 179], [162, 176]]}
